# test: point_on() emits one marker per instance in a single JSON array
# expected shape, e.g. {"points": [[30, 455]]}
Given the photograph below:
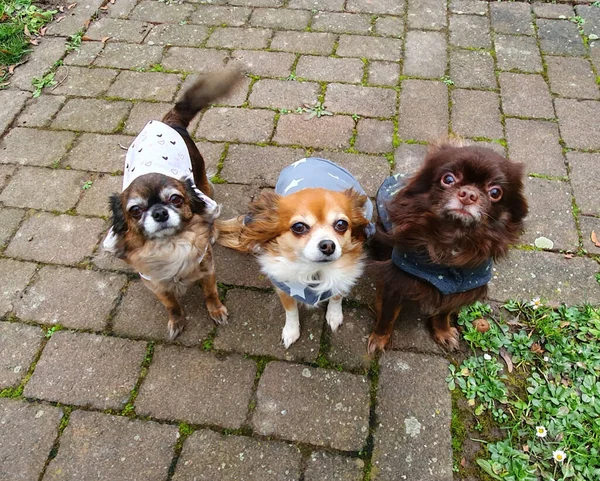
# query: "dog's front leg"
{"points": [[176, 319], [334, 315], [388, 308], [443, 332], [291, 330], [208, 281]]}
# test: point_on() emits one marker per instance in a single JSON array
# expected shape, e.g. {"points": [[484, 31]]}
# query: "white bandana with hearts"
{"points": [[160, 149]]}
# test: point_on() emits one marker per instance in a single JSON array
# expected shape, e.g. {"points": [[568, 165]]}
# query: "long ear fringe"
{"points": [[228, 233]]}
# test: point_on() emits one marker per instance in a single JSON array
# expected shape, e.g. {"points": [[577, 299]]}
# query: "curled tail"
{"points": [[229, 234]]}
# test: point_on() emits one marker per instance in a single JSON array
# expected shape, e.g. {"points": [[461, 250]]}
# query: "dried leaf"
{"points": [[33, 41], [69, 7], [525, 448], [111, 1], [85, 38], [26, 31], [105, 39], [60, 18], [105, 7], [4, 84], [506, 356], [536, 348], [569, 256], [86, 24], [43, 31], [463, 462], [11, 69], [564, 324], [594, 238]]}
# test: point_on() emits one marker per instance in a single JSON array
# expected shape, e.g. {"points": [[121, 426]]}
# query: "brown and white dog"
{"points": [[162, 222]]}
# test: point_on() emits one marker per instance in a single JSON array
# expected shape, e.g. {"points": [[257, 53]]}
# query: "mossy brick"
{"points": [[280, 18], [179, 35], [470, 31], [324, 132], [348, 345], [246, 272], [550, 214], [472, 69], [324, 466], [525, 96], [495, 146], [517, 52], [12, 103], [211, 153], [560, 37], [427, 14], [413, 438], [389, 26], [374, 136], [280, 94], [207, 455], [14, 277], [257, 3], [39, 112], [98, 152], [22, 146], [57, 293], [188, 59], [18, 349], [94, 201], [28, 434], [525, 275], [264, 64], [512, 18], [551, 10], [11, 219], [341, 22], [62, 239], [87, 370], [425, 54], [476, 114], [330, 69], [315, 43], [257, 319], [220, 15], [39, 61], [39, 188], [310, 405], [375, 48], [87, 53], [585, 186], [408, 158], [75, 18], [118, 30], [129, 56], [536, 143], [241, 125], [83, 82], [175, 387], [591, 17], [116, 447], [589, 225], [92, 115], [423, 110], [383, 73], [234, 199], [572, 77], [149, 11], [355, 99], [145, 86], [469, 7], [141, 114], [380, 7], [577, 122], [328, 5], [141, 315], [121, 9], [235, 37]]}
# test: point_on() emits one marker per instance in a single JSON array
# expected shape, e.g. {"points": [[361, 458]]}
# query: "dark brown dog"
{"points": [[456, 215]]}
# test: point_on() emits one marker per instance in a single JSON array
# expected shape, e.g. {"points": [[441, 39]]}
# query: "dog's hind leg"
{"points": [[388, 309], [176, 319]]}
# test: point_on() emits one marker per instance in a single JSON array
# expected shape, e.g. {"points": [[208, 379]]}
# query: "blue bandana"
{"points": [[448, 280], [301, 292]]}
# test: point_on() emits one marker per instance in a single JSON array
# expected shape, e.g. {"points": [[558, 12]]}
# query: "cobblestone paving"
{"points": [[107, 397]]}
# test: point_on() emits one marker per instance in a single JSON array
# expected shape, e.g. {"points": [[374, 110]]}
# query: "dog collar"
{"points": [[301, 292], [148, 278]]}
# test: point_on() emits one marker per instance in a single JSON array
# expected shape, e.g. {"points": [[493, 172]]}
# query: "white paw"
{"points": [[334, 315], [290, 335]]}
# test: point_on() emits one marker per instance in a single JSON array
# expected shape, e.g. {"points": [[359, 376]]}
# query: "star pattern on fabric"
{"points": [[298, 162], [296, 289], [293, 184]]}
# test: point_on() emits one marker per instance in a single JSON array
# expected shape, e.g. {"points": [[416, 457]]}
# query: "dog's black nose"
{"points": [[160, 214], [327, 247]]}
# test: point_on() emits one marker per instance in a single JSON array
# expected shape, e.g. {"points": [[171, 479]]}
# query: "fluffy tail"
{"points": [[208, 88], [229, 234]]}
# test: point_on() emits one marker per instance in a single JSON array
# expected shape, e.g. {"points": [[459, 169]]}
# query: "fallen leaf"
{"points": [[86, 24], [60, 18], [525, 448], [85, 38], [111, 1], [26, 31], [43, 31], [105, 39], [105, 7], [564, 324], [11, 69], [61, 8], [536, 348], [594, 238], [463, 462], [569, 256], [33, 41], [506, 356], [69, 7], [593, 36]]}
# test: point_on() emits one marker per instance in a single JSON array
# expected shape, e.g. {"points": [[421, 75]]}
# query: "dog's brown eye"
{"points": [[176, 200], [300, 228], [448, 180], [341, 226], [135, 212], [495, 193]]}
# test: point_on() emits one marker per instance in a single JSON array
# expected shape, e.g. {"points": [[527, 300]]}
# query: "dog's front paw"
{"points": [[289, 335], [174, 328], [377, 343], [335, 317], [447, 338], [219, 314]]}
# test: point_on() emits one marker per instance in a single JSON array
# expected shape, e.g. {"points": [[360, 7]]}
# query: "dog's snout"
{"points": [[160, 214], [468, 196], [327, 247]]}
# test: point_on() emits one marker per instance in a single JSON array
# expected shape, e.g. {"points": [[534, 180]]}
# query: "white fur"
{"points": [[291, 330], [313, 253], [471, 215], [110, 242], [155, 229], [334, 315]]}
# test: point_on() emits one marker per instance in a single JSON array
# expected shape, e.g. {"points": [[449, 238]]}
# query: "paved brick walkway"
{"points": [[106, 397]]}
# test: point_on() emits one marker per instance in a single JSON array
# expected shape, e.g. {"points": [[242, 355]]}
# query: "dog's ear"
{"points": [[262, 223], [196, 203], [514, 197], [119, 223], [356, 213]]}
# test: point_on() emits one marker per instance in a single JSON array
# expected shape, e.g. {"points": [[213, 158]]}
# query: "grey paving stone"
{"points": [[87, 370], [142, 315], [517, 53], [408, 158], [220, 15], [525, 275], [283, 94], [341, 22], [280, 18], [364, 291], [39, 111], [412, 439], [330, 69], [87, 53], [591, 17], [121, 9], [6, 172], [242, 125], [62, 239], [525, 96], [209, 456], [559, 37], [427, 14], [139, 116], [376, 48], [193, 59], [550, 10], [211, 152], [98, 152], [303, 42], [423, 110], [28, 433], [19, 344], [175, 34], [536, 143], [585, 186], [101, 446], [369, 101], [374, 136], [11, 218], [22, 146], [331, 5], [383, 73], [469, 7], [38, 63], [257, 3], [577, 122], [495, 146], [246, 272], [324, 466], [257, 319], [233, 37], [550, 214], [147, 86], [572, 77], [348, 345], [167, 12], [14, 276], [412, 333], [128, 56], [393, 7], [118, 30], [587, 226], [470, 31], [56, 297], [92, 115], [235, 198], [315, 406], [44, 189], [476, 114], [175, 387], [512, 18], [472, 69], [12, 103], [325, 132], [75, 18], [264, 64], [389, 26], [425, 54], [95, 200]]}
